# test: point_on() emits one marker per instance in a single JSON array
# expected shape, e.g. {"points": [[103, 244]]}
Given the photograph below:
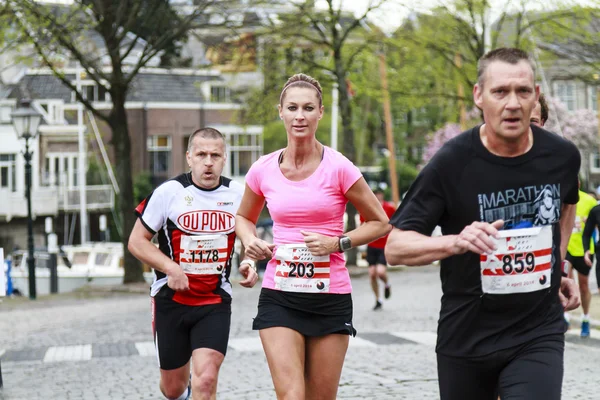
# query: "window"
{"points": [[159, 153], [75, 169], [60, 169], [595, 161], [93, 92], [592, 98], [244, 149], [565, 91], [220, 94], [8, 177]]}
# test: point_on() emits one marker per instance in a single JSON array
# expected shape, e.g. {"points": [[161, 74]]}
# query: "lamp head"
{"points": [[26, 120]]}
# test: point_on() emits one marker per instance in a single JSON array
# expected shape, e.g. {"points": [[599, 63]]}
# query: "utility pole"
{"points": [[81, 161], [334, 116], [388, 129], [461, 95]]}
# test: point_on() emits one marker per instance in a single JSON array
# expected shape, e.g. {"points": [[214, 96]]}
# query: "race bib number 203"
{"points": [[299, 271], [522, 262]]}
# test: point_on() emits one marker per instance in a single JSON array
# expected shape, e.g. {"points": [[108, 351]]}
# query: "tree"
{"points": [[579, 126], [439, 138], [436, 140], [572, 35], [60, 34]]}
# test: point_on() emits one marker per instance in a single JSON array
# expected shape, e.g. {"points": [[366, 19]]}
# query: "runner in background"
{"points": [[376, 256], [539, 115], [575, 256]]}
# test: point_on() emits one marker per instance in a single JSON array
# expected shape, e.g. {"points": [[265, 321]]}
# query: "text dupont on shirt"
{"points": [[207, 221]]}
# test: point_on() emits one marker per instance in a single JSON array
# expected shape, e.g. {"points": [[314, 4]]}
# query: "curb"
{"points": [[123, 288]]}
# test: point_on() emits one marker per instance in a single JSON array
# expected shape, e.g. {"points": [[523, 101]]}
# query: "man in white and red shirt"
{"points": [[193, 215]]}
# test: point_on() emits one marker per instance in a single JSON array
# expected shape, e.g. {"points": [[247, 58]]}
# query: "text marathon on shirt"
{"points": [[522, 207]]}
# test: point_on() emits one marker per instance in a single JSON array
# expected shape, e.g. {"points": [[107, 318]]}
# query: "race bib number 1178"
{"points": [[204, 254], [522, 262]]}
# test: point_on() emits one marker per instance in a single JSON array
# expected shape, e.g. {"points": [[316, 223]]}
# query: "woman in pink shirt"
{"points": [[305, 306]]}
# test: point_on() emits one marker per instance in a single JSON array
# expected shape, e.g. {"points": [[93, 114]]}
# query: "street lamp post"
{"points": [[26, 121]]}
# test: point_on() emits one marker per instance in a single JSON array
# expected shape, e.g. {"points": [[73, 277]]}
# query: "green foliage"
{"points": [[95, 172], [142, 186], [406, 176], [405, 173], [574, 34]]}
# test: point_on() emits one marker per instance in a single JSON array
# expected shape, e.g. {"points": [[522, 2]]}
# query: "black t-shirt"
{"points": [[464, 183], [592, 221]]}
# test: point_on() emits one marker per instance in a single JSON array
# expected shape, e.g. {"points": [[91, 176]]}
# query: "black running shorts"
{"points": [[579, 264], [376, 257], [311, 314], [532, 371], [180, 329]]}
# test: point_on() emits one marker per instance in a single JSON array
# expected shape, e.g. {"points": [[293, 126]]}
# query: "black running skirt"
{"points": [[311, 314]]}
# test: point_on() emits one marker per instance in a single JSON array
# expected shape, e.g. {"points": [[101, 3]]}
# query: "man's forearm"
{"points": [[414, 249], [149, 254]]}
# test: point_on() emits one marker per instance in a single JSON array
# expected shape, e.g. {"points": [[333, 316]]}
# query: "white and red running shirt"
{"points": [[196, 229]]}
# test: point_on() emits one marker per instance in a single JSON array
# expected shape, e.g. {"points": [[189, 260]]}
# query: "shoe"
{"points": [[387, 292], [378, 306], [585, 329]]}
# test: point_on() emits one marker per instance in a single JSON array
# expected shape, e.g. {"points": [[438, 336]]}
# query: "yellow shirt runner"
{"points": [[584, 205]]}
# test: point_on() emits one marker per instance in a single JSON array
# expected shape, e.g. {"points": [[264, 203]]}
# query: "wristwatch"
{"points": [[344, 243], [250, 263], [565, 268]]}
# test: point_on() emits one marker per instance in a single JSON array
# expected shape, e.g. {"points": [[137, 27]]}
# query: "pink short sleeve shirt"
{"points": [[315, 204]]}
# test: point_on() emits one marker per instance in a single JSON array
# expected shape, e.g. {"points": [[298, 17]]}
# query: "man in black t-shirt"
{"points": [[504, 194], [591, 224]]}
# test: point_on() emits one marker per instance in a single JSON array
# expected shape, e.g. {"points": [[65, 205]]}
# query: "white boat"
{"points": [[96, 264]]}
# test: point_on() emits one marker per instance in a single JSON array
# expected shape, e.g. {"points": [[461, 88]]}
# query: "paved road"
{"points": [[98, 347]]}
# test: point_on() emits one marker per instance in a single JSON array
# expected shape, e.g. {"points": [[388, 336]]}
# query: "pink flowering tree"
{"points": [[578, 126], [438, 138]]}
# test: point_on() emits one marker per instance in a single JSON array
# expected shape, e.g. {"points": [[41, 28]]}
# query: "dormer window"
{"points": [[91, 91], [220, 94]]}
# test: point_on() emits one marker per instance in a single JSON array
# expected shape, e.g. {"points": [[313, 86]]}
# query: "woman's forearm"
{"points": [[368, 232], [244, 229]]}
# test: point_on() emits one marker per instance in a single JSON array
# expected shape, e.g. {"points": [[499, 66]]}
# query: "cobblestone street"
{"points": [[100, 347]]}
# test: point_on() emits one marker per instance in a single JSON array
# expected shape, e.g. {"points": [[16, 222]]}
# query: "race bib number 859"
{"points": [[521, 264]]}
